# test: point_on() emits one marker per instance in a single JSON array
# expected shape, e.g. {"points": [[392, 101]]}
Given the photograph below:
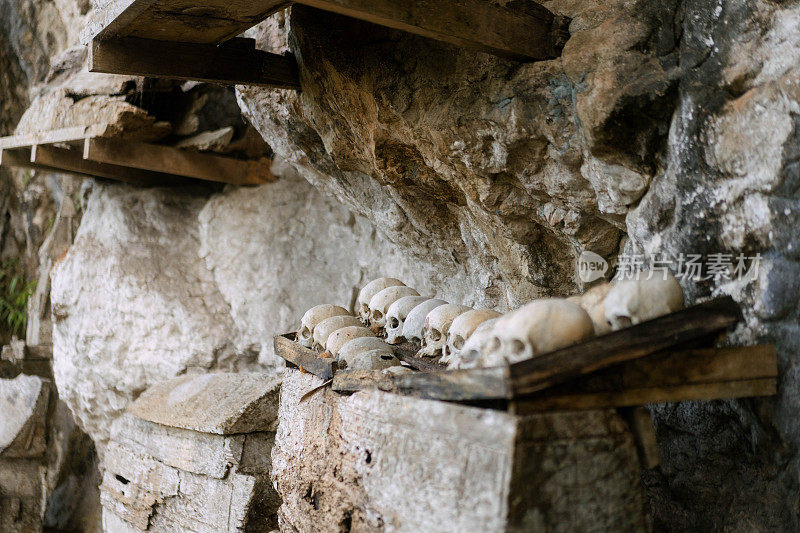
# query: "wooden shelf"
{"points": [[666, 359], [81, 151], [185, 39]]}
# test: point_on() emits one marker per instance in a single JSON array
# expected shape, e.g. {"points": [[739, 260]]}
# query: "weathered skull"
{"points": [[315, 315], [415, 320], [328, 326], [592, 302], [633, 301], [437, 323], [396, 315], [537, 328], [342, 336], [360, 345], [371, 289], [379, 305], [462, 327], [373, 360], [470, 355]]}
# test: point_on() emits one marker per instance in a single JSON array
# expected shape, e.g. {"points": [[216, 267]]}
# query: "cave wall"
{"points": [[663, 128]]}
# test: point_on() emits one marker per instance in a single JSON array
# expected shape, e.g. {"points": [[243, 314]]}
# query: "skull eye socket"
{"points": [[394, 323], [376, 315], [415, 340], [305, 332], [435, 335], [458, 342], [517, 347], [493, 344]]}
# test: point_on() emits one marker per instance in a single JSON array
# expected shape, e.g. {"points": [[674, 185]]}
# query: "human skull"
{"points": [[592, 302], [537, 328], [373, 360], [360, 345], [328, 326], [462, 327], [415, 320], [631, 301], [342, 336], [471, 354], [379, 304], [396, 315], [371, 289], [437, 323], [312, 317]]}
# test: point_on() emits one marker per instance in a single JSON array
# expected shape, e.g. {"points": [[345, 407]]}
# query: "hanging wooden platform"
{"points": [[185, 39], [667, 359], [81, 151]]}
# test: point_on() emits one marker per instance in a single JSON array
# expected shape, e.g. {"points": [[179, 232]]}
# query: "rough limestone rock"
{"points": [[277, 250], [219, 403], [23, 417], [668, 127], [134, 304], [377, 461]]}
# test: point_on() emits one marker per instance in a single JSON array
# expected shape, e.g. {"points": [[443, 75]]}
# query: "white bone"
{"points": [[415, 320], [379, 304], [592, 302], [437, 323], [632, 301], [537, 328], [374, 360], [396, 315], [360, 345], [462, 327], [368, 291], [342, 336], [397, 370], [328, 326], [312, 317], [470, 354]]}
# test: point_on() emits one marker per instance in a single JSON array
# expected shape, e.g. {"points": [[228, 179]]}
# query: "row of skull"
{"points": [[472, 338]]}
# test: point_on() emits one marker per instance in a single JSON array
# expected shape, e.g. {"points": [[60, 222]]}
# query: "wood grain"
{"points": [[166, 159], [533, 375], [302, 357], [235, 63]]}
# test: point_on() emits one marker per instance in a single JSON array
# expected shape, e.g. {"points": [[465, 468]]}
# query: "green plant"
{"points": [[14, 295]]}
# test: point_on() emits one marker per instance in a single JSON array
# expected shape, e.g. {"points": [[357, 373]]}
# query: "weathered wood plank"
{"points": [[533, 375], [234, 63], [462, 385], [303, 357], [186, 21], [166, 159], [54, 159], [688, 375], [473, 24], [45, 137]]}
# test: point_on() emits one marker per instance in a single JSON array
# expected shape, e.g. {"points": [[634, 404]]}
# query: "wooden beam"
{"points": [[187, 21], [234, 63], [64, 135], [473, 24], [53, 159], [669, 331], [302, 357], [709, 374], [166, 159]]}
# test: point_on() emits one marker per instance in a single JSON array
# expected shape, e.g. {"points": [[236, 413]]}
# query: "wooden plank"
{"points": [[303, 357], [231, 64], [166, 159], [462, 385], [473, 24], [688, 375], [188, 21], [52, 159], [533, 375], [644, 435], [64, 135]]}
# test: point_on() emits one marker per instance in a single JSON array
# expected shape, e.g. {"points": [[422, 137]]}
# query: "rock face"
{"points": [[669, 128], [377, 461]]}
